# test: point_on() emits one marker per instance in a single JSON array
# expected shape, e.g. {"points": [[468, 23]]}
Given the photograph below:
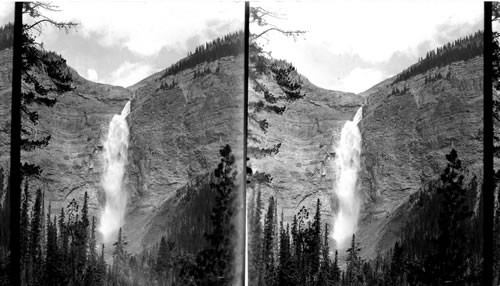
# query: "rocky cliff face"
{"points": [[175, 137], [405, 138], [5, 117], [72, 163], [304, 139], [5, 106]]}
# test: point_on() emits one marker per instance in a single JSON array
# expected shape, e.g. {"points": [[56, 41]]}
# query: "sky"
{"points": [[349, 45], [121, 43], [352, 45], [6, 13]]}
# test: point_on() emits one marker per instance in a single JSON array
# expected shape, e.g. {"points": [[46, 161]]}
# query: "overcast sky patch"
{"points": [[122, 41], [352, 45]]}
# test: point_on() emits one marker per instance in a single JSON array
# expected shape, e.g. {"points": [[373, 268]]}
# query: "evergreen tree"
{"points": [[397, 271], [35, 249], [453, 252], [6, 36], [91, 272], [463, 49], [163, 261], [285, 262], [295, 250], [44, 74], [64, 254], [80, 241], [325, 275], [24, 242], [353, 274], [255, 247], [51, 253], [336, 273], [267, 246], [438, 244], [214, 263], [118, 270], [230, 45], [71, 228], [316, 244], [100, 276]]}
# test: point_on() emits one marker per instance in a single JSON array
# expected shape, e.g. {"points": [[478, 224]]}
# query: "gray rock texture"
{"points": [[406, 138]]}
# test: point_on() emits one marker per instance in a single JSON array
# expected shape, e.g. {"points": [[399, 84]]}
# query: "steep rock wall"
{"points": [[5, 118], [308, 130], [175, 137], [72, 163], [5, 106], [406, 138]]}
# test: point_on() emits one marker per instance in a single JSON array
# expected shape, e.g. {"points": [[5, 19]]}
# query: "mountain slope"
{"points": [[406, 138], [175, 137]]}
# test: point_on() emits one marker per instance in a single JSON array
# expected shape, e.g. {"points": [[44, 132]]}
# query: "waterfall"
{"points": [[115, 160], [347, 165]]}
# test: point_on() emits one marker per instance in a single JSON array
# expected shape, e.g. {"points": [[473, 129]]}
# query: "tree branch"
{"points": [[286, 33]]}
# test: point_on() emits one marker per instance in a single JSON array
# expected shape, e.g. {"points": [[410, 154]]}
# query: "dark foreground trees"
{"points": [[438, 246], [61, 249], [214, 264], [58, 249], [171, 263]]}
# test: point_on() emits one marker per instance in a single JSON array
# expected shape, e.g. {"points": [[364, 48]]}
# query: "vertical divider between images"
{"points": [[14, 268], [488, 186], [245, 135]]}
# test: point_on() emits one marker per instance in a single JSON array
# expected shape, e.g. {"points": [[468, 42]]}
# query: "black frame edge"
{"points": [[15, 151], [245, 134], [488, 184]]}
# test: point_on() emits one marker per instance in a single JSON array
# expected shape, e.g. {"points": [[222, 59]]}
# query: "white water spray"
{"points": [[115, 160], [347, 164]]}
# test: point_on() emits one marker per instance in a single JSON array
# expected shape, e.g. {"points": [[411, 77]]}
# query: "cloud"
{"points": [[129, 73], [113, 36], [387, 36], [6, 12], [145, 27], [92, 75], [374, 29], [361, 79]]}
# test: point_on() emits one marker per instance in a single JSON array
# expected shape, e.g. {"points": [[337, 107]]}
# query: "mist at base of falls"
{"points": [[347, 166], [115, 159]]}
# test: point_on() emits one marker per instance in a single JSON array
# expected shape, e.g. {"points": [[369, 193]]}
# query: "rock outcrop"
{"points": [[304, 137], [72, 163], [5, 118], [5, 106], [406, 138], [175, 137]]}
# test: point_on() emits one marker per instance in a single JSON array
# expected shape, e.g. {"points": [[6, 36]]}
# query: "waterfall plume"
{"points": [[115, 160], [347, 165]]}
